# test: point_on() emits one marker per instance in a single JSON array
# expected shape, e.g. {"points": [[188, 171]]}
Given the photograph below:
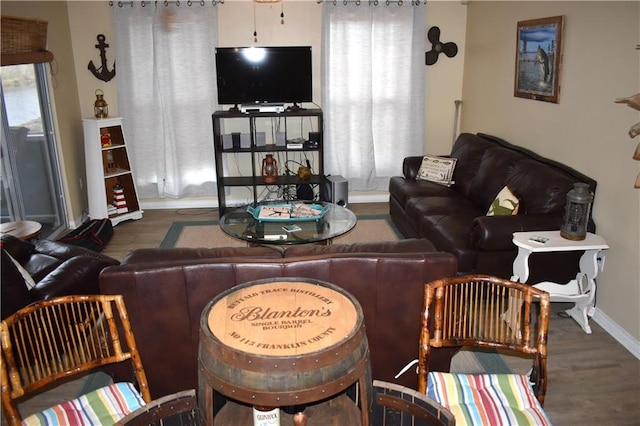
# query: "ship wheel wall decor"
{"points": [[450, 48]]}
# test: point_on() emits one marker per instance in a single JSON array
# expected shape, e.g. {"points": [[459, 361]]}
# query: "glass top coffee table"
{"points": [[337, 220]]}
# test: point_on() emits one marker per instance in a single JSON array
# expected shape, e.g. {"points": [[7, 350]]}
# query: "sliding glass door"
{"points": [[29, 170]]}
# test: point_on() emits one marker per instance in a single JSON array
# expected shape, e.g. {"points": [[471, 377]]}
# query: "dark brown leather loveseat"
{"points": [[454, 218], [166, 291], [57, 269]]}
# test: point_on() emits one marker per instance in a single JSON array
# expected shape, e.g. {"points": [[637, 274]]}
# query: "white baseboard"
{"points": [[617, 332], [185, 203], [369, 198], [77, 221]]}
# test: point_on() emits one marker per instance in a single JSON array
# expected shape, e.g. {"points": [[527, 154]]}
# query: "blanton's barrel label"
{"points": [[282, 318]]}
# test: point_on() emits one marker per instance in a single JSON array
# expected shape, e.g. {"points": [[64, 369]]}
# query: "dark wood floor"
{"points": [[592, 379]]}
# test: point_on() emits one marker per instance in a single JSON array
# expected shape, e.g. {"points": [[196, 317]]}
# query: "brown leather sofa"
{"points": [[454, 218], [57, 269], [166, 291]]}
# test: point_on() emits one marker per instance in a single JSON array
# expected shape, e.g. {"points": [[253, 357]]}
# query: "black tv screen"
{"points": [[256, 75]]}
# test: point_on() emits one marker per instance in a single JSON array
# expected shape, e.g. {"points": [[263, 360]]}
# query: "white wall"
{"points": [[302, 26], [444, 78], [586, 130]]}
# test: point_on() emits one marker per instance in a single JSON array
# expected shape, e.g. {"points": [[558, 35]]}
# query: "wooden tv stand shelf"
{"points": [[252, 135]]}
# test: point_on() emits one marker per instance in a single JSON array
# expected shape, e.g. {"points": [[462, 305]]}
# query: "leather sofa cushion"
{"points": [[427, 206], [78, 275], [496, 167], [540, 188], [418, 208], [184, 254], [63, 251], [450, 233], [406, 189], [19, 249], [39, 265], [14, 290], [58, 269], [411, 245], [469, 150]]}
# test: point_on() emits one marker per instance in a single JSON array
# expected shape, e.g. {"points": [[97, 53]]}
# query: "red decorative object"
{"points": [[269, 169], [105, 138], [118, 199]]}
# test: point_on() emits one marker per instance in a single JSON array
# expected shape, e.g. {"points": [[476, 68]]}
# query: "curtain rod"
{"points": [[374, 2], [165, 2]]}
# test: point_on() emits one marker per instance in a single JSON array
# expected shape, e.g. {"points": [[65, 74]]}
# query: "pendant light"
{"points": [[255, 31]]}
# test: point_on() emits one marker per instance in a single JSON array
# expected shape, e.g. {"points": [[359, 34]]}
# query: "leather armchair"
{"points": [[53, 268]]}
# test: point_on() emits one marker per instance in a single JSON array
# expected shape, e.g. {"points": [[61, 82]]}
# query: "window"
{"points": [[29, 172], [372, 90]]}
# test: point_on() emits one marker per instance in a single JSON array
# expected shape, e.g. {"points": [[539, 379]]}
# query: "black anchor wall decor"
{"points": [[450, 49], [102, 72]]}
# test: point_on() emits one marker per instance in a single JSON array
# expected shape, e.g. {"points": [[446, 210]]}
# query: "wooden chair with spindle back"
{"points": [[480, 311], [63, 338]]}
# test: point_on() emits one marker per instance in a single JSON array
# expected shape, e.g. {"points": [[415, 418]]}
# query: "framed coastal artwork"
{"points": [[539, 59]]}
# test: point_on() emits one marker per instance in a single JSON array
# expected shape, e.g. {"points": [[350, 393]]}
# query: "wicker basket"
{"points": [[22, 35]]}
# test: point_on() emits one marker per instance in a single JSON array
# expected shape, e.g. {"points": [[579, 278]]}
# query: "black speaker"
{"points": [[315, 137], [335, 189]]}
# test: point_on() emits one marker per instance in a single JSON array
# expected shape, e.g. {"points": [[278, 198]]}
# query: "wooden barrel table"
{"points": [[285, 342]]}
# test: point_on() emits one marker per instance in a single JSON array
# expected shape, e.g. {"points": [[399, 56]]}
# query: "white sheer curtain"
{"points": [[372, 90], [166, 95]]}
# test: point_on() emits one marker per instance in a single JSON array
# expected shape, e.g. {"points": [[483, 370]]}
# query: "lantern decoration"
{"points": [[269, 169], [577, 212], [100, 106], [118, 199]]}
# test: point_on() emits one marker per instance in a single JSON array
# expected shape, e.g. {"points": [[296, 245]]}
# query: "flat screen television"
{"points": [[260, 75]]}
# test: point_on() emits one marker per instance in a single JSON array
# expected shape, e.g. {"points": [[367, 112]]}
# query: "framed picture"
{"points": [[539, 59]]}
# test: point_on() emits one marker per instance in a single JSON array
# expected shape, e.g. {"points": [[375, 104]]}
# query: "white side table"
{"points": [[581, 290]]}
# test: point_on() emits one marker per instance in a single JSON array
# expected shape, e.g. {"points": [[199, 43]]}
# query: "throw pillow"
{"points": [[437, 169], [505, 204]]}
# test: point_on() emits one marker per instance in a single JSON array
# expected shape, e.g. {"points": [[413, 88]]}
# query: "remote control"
{"points": [[539, 240]]}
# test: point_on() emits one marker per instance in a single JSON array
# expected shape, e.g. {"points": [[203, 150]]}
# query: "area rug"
{"points": [[195, 234]]}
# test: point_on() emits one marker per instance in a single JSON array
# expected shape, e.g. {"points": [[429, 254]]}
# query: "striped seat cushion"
{"points": [[103, 406], [487, 399]]}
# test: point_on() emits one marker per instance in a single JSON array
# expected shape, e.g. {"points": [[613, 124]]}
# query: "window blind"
{"points": [[23, 41]]}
